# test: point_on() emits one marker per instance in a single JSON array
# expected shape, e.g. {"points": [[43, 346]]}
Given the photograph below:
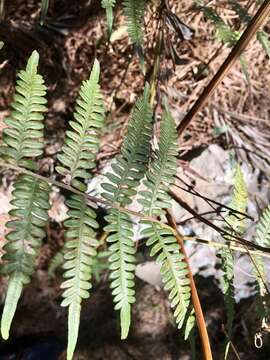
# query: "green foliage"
{"points": [[236, 226], [229, 36], [24, 141], [80, 249], [244, 16], [223, 31], [44, 10], [30, 204], [128, 169], [78, 157], [130, 166], [55, 263], [262, 238], [24, 133], [108, 5], [134, 13], [81, 144], [155, 199]]}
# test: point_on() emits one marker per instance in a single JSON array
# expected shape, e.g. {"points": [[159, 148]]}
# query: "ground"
{"points": [[74, 34]]}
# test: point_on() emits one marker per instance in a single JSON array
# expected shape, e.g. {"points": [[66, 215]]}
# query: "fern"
{"points": [[31, 202], [80, 250], [244, 16], [134, 13], [78, 157], [108, 5], [128, 169], [55, 263], [44, 10], [155, 199], [24, 135], [262, 237], [226, 35], [81, 145], [23, 140], [237, 226]]}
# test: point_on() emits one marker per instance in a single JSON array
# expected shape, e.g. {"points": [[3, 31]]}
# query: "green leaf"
{"points": [[108, 5], [73, 326], [237, 226], [134, 13], [30, 206], [44, 10], [155, 199], [24, 135], [129, 169], [79, 252], [81, 144], [15, 287]]}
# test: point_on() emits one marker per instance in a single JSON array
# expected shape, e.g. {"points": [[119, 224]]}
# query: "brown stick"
{"points": [[194, 296], [239, 47]]}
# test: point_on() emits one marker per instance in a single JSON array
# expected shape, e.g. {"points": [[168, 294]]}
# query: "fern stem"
{"points": [[219, 245], [260, 250], [194, 294], [254, 25], [90, 198]]}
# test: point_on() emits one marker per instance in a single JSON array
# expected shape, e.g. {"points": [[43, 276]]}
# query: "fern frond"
{"points": [[245, 17], [44, 10], [262, 238], [24, 135], [55, 263], [81, 144], [263, 229], [237, 226], [155, 199], [31, 203], [134, 13], [122, 265], [108, 5], [223, 31], [130, 165], [77, 158], [239, 202], [80, 249], [128, 170]]}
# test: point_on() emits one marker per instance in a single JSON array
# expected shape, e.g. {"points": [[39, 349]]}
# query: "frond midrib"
{"points": [[29, 218], [27, 112], [85, 128]]}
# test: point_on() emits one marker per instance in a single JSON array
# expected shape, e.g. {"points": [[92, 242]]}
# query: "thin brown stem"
{"points": [[254, 25], [194, 294]]}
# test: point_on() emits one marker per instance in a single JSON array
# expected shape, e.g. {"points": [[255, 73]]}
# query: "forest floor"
{"points": [[236, 118]]}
